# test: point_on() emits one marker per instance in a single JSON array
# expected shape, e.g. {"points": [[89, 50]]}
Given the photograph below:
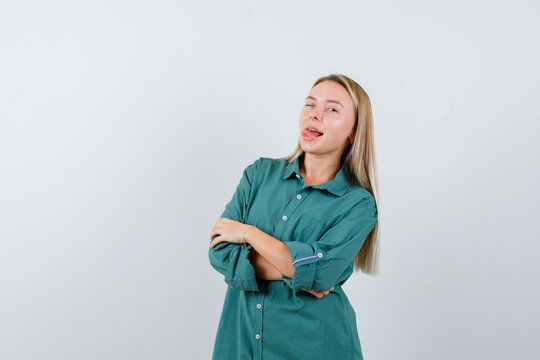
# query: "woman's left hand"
{"points": [[228, 230]]}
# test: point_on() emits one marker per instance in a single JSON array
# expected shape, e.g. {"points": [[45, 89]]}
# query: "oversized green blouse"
{"points": [[324, 226]]}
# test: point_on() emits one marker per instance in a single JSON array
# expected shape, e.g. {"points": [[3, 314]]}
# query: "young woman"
{"points": [[293, 232]]}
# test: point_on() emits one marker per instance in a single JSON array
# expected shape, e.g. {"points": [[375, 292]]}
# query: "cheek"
{"points": [[338, 130]]}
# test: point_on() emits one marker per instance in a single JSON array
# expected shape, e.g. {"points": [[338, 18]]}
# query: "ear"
{"points": [[353, 133]]}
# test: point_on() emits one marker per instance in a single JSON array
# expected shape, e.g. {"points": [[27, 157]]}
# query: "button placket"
{"points": [[289, 209], [258, 328]]}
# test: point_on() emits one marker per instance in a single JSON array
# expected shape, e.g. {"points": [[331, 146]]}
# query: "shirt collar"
{"points": [[337, 186]]}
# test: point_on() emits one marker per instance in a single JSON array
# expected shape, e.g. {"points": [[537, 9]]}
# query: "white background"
{"points": [[125, 127]]}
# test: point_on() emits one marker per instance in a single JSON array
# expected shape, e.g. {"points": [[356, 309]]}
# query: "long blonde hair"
{"points": [[359, 158]]}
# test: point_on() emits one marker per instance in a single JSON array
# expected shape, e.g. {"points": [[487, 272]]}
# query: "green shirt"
{"points": [[324, 226]]}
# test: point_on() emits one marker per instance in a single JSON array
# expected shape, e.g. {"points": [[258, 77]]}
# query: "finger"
{"points": [[216, 229], [216, 241], [220, 222], [318, 294], [217, 226], [214, 232]]}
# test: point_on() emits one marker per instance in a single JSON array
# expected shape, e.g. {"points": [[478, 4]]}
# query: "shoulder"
{"points": [[271, 162], [267, 165], [361, 201], [358, 202], [262, 167]]}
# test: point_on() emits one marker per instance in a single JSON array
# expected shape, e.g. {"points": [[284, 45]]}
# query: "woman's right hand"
{"points": [[319, 293]]}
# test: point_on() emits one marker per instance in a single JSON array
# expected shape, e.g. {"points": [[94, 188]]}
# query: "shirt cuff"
{"points": [[304, 259], [240, 273]]}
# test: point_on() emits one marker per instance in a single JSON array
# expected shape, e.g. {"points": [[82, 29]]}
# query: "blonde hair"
{"points": [[359, 159]]}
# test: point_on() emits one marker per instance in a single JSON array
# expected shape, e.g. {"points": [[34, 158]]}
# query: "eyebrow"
{"points": [[330, 101]]}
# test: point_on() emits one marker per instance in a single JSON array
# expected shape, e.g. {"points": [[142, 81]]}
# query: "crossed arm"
{"points": [[269, 257], [263, 268]]}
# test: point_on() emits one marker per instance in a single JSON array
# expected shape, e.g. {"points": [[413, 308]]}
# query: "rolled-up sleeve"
{"points": [[230, 259], [320, 265]]}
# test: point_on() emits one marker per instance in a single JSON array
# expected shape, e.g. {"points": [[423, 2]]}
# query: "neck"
{"points": [[321, 168]]}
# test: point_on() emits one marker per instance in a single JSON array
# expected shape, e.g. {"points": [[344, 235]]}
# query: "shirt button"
{"points": [[259, 306], [284, 217], [298, 196], [319, 254], [257, 336]]}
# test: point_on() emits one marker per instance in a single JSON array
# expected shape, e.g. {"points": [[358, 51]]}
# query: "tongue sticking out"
{"points": [[314, 133]]}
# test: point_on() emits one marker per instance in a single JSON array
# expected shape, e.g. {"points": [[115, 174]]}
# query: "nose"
{"points": [[315, 114]]}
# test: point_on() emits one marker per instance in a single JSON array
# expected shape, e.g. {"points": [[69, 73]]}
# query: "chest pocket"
{"points": [[308, 229]]}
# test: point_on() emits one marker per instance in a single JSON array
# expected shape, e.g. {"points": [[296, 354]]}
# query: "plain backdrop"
{"points": [[125, 127]]}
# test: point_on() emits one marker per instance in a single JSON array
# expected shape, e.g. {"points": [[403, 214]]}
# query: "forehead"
{"points": [[331, 90]]}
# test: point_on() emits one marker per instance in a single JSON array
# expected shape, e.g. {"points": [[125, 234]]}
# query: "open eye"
{"points": [[333, 109]]}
